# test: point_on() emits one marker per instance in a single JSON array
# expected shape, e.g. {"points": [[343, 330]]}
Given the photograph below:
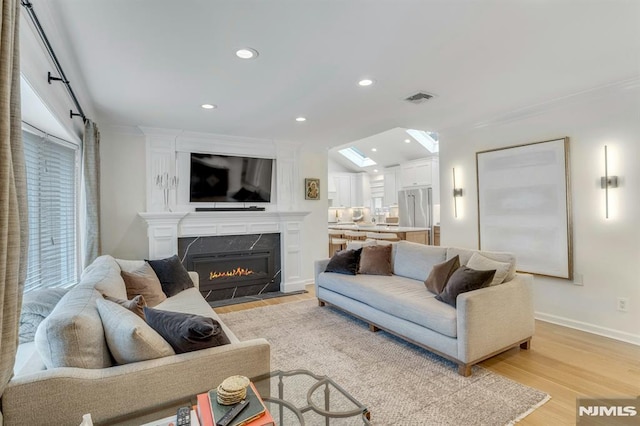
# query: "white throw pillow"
{"points": [[481, 263], [129, 337]]}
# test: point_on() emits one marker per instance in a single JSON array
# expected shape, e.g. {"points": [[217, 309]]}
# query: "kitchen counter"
{"points": [[407, 233], [376, 228]]}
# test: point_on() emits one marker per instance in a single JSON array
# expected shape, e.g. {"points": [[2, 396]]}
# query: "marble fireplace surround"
{"points": [[164, 229], [255, 258]]}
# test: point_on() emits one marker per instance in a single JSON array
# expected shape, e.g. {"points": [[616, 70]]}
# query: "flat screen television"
{"points": [[223, 178]]}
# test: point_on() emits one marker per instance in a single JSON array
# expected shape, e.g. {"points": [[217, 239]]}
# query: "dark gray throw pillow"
{"points": [[440, 274], [186, 332], [462, 280], [172, 275], [344, 262]]}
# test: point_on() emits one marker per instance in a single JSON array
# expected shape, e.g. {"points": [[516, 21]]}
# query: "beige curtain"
{"points": [[91, 182], [13, 190]]}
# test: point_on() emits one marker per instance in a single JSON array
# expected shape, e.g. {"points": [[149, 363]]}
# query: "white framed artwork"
{"points": [[524, 205]]}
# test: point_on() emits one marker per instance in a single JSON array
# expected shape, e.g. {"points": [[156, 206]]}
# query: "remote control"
{"points": [[183, 418], [232, 413]]}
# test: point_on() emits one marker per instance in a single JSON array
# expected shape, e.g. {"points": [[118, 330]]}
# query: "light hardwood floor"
{"points": [[563, 362]]}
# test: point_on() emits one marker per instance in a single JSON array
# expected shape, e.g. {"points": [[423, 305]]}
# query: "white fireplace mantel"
{"points": [[164, 229]]}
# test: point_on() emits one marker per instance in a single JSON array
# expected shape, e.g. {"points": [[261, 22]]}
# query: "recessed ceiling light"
{"points": [[374, 149], [301, 119], [365, 82], [246, 53], [208, 106], [407, 141], [375, 170]]}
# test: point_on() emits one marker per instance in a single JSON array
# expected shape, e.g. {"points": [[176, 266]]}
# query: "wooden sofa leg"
{"points": [[464, 370], [320, 303], [526, 345], [373, 328]]}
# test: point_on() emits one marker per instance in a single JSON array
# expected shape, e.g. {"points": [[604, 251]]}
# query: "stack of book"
{"points": [[255, 414]]}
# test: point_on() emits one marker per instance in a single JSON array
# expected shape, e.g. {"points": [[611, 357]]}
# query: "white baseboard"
{"points": [[590, 328], [292, 286]]}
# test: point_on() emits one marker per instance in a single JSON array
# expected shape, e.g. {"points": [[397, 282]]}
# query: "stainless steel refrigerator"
{"points": [[415, 209]]}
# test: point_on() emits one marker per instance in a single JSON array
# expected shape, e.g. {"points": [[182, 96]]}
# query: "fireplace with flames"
{"points": [[233, 266]]}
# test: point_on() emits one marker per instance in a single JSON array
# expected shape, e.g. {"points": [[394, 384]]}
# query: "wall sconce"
{"points": [[607, 182], [457, 192]]}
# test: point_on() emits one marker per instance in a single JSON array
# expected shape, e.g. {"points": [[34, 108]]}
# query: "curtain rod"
{"points": [[63, 78]]}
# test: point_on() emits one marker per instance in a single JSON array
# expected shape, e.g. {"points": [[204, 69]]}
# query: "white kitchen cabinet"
{"points": [[349, 190], [343, 190], [391, 185], [416, 173], [423, 172], [360, 190]]}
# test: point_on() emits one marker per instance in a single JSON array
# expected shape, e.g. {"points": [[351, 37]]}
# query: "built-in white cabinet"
{"points": [[349, 190], [391, 185]]}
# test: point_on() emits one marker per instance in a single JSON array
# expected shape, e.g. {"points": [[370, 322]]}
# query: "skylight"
{"points": [[429, 140], [357, 157]]}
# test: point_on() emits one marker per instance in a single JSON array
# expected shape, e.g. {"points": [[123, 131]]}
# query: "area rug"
{"points": [[400, 383]]}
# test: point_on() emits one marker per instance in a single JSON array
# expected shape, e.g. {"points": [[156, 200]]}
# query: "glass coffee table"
{"points": [[297, 397], [300, 397]]}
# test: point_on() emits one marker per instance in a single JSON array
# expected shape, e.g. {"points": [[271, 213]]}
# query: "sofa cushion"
{"points": [[172, 275], [345, 262], [145, 282], [464, 279], [72, 335], [356, 244], [186, 332], [465, 255], [130, 265], [104, 275], [413, 260], [375, 260], [440, 274], [129, 337], [135, 305], [395, 295], [482, 263]]}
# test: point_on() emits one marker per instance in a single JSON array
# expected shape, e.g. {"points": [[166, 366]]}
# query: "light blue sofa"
{"points": [[485, 322]]}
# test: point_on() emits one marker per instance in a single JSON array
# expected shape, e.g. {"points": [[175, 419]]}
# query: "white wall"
{"points": [[313, 164], [606, 252], [123, 193], [335, 167]]}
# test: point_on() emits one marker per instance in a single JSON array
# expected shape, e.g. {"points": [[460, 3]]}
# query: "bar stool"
{"points": [[336, 241], [336, 244], [387, 236], [338, 233], [355, 235]]}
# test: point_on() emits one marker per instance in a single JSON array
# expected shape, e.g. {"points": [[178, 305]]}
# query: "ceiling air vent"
{"points": [[418, 98]]}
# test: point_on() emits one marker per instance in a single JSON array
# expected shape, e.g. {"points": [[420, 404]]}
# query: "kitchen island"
{"points": [[416, 235]]}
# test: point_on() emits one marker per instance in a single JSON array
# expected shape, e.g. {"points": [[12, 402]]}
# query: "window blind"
{"points": [[52, 176]]}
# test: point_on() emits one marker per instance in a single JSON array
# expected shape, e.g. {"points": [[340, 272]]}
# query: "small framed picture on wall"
{"points": [[312, 189]]}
